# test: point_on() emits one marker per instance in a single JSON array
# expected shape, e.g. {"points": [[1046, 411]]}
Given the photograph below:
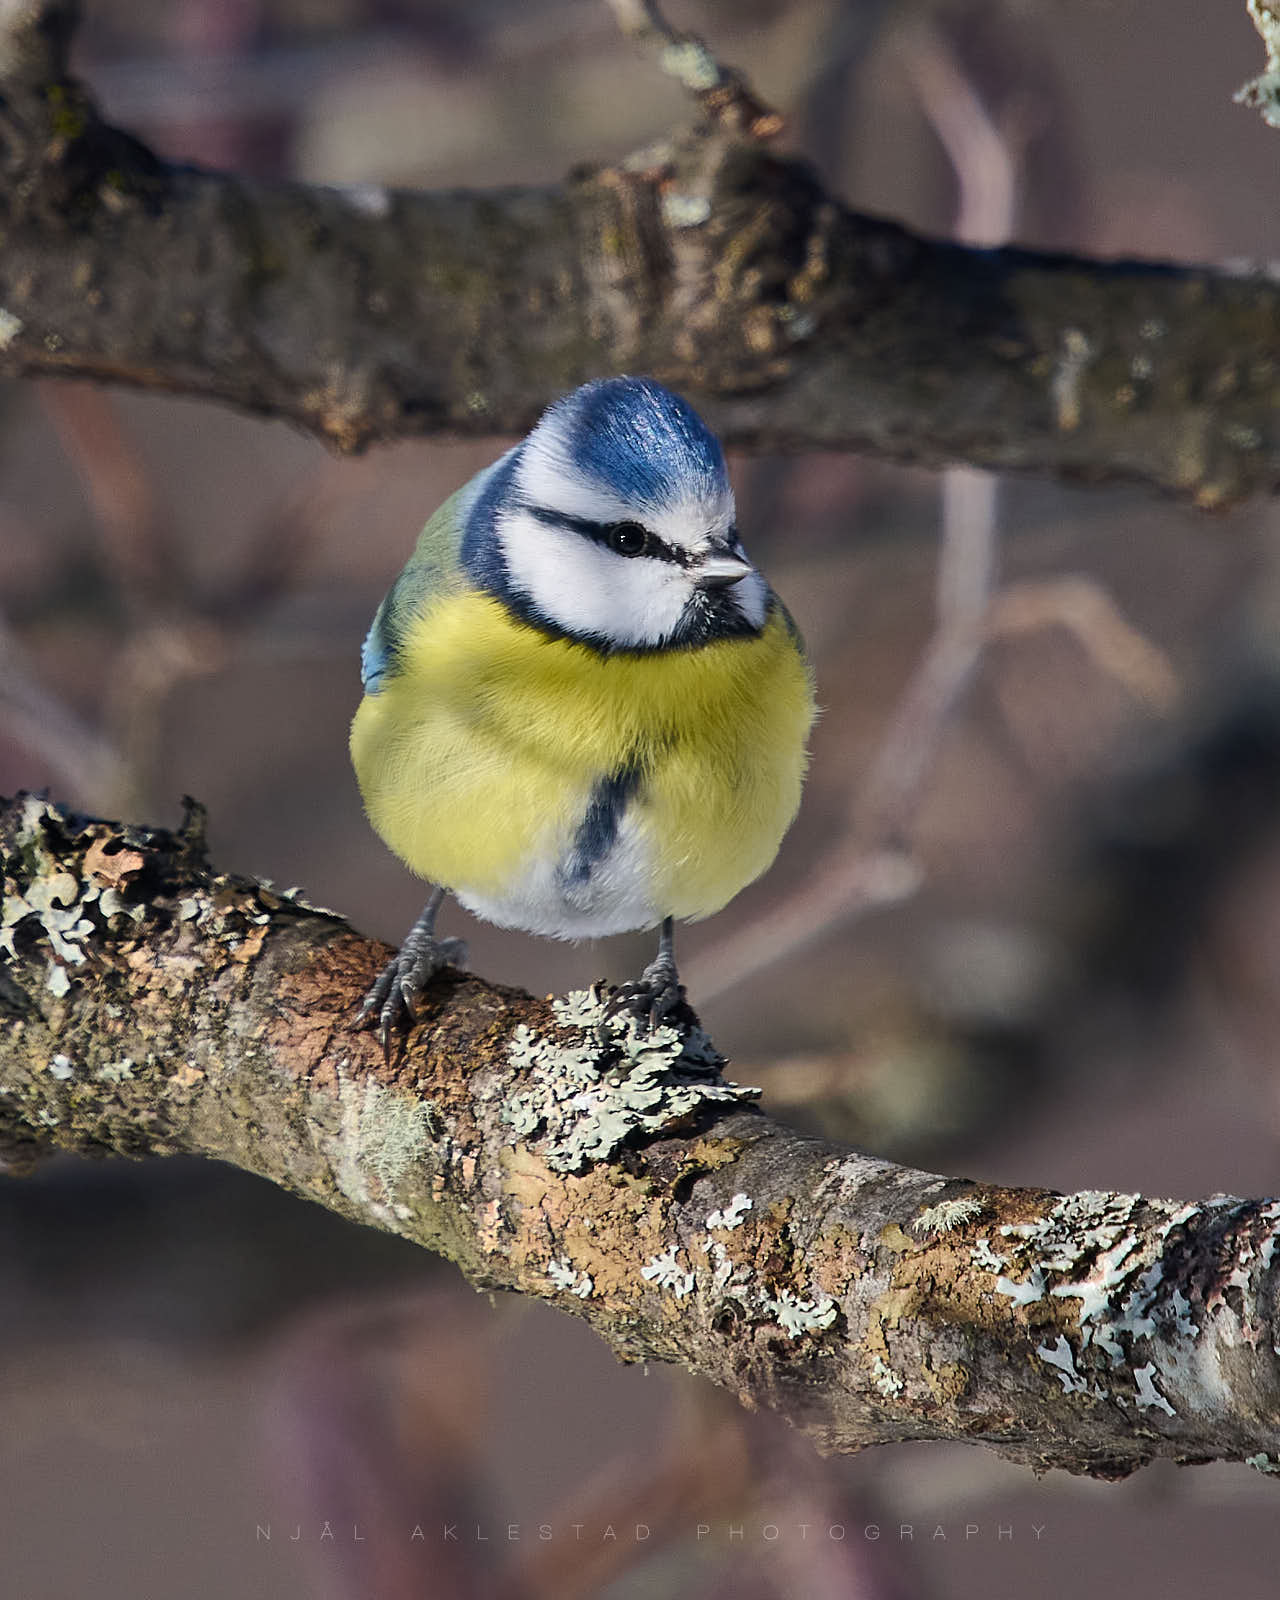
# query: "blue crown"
{"points": [[641, 441]]}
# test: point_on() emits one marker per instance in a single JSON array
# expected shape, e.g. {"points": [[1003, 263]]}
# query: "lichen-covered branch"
{"points": [[713, 262], [1263, 92], [151, 1004]]}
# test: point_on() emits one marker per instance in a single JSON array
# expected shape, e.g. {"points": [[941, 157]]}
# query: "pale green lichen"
{"points": [[731, 1280], [115, 1071], [1023, 1292], [1149, 1397], [982, 1255], [947, 1214], [113, 904], [885, 1378], [1061, 1356], [580, 1008], [55, 902], [565, 1276], [585, 1097], [1089, 1240], [728, 1278], [383, 1135], [1263, 92], [1270, 1213], [731, 1216], [1262, 1462], [1105, 1252], [10, 327], [796, 1316], [690, 62], [666, 1271], [685, 210], [61, 1068]]}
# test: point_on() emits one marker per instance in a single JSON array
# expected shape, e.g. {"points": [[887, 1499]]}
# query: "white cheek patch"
{"points": [[588, 590]]}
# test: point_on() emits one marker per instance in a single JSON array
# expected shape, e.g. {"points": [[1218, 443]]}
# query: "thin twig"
{"points": [[1087, 611], [44, 724], [983, 155], [723, 92], [115, 478]]}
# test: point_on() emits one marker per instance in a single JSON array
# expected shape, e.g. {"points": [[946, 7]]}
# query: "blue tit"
{"points": [[585, 711]]}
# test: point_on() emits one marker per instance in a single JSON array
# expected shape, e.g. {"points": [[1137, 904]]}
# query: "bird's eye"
{"points": [[628, 538]]}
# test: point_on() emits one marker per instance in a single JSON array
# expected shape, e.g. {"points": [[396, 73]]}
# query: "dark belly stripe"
{"points": [[598, 831]]}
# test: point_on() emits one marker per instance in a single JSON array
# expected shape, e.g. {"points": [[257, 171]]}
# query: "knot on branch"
{"points": [[745, 256], [60, 161]]}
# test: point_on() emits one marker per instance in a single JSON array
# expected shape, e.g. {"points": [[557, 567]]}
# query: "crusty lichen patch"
{"points": [[602, 1079], [586, 1086], [69, 881], [1136, 1339]]}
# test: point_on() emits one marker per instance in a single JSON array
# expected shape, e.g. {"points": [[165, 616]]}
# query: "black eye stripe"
{"points": [[603, 533]]}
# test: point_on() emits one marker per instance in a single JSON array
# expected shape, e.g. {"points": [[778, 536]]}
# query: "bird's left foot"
{"points": [[388, 1007], [655, 997]]}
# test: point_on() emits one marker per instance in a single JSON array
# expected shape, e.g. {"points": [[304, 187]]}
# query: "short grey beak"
{"points": [[718, 572]]}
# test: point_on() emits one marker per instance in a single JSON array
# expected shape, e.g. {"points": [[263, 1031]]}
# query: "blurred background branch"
{"points": [[812, 323]]}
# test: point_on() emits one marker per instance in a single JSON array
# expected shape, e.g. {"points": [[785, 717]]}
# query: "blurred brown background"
{"points": [[1083, 990]]}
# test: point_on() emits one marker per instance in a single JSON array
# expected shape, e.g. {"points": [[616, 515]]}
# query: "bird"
{"points": [[585, 710]]}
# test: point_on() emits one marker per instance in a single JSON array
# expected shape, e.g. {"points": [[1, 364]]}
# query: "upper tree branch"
{"points": [[718, 266], [153, 1005]]}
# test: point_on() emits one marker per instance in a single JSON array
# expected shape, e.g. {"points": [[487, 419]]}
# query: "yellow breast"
{"points": [[479, 755]]}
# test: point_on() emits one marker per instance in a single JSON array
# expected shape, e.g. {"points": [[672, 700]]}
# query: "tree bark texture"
{"points": [[723, 269], [151, 1005]]}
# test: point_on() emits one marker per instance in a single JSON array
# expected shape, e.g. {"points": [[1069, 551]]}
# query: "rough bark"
{"points": [[722, 268], [152, 1004]]}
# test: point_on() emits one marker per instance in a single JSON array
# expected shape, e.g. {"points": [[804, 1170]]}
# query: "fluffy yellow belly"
{"points": [[479, 758]]}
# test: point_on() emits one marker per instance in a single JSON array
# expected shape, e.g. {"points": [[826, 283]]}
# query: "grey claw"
{"points": [[389, 1007], [651, 998]]}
